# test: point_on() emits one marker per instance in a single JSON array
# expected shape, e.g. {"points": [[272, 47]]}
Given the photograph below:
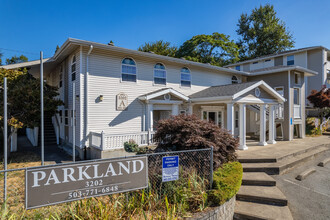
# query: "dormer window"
{"points": [[128, 70], [290, 60], [159, 74], [234, 80], [73, 68]]}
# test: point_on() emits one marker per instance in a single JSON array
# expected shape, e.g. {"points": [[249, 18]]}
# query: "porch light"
{"points": [[77, 97], [101, 97]]}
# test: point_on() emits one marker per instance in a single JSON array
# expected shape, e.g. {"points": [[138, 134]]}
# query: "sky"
{"points": [[30, 26]]}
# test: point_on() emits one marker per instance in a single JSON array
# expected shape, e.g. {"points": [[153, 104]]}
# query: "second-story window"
{"points": [[128, 70], [159, 74], [185, 77], [61, 76], [290, 60], [234, 80], [238, 68], [73, 68]]}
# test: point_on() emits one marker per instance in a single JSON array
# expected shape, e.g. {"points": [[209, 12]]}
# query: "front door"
{"points": [[215, 117]]}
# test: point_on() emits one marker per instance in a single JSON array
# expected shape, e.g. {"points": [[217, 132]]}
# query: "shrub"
{"points": [[187, 132], [131, 146], [226, 182]]}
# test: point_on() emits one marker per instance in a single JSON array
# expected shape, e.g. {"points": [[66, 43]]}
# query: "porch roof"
{"points": [[163, 91], [232, 92]]}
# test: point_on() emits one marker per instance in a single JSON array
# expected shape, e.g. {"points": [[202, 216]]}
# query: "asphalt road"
{"points": [[309, 199]]}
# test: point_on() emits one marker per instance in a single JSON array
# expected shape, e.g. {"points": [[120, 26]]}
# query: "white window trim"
{"points": [[121, 71], [186, 87], [75, 63], [156, 84], [300, 101]]}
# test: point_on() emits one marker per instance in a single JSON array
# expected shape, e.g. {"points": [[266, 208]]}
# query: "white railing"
{"points": [[105, 141], [279, 111], [296, 111]]}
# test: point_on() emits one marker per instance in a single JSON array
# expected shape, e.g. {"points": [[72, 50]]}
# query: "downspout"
{"points": [[86, 92]]}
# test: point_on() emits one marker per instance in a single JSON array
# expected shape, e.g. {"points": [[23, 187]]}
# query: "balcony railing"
{"points": [[105, 141]]}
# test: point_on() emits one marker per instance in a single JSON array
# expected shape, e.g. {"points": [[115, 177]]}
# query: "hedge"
{"points": [[226, 182]]}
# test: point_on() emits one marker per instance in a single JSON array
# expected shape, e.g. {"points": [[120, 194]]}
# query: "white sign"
{"points": [[122, 101]]}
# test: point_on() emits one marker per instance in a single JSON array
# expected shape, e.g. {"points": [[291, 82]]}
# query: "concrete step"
{"points": [[262, 194], [258, 179], [284, 165], [255, 211]]}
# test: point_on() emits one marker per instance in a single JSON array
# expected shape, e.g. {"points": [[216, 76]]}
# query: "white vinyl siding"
{"points": [[105, 78]]}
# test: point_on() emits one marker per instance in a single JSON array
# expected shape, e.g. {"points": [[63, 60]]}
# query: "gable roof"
{"points": [[70, 44], [287, 52], [163, 91], [232, 91]]}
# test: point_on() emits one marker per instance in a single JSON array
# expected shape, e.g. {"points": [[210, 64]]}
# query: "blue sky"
{"points": [[31, 26]]}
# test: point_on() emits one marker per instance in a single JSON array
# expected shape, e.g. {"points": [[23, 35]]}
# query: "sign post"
{"points": [[170, 168], [52, 185]]}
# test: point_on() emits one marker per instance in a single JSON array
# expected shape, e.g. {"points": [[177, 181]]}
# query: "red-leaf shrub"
{"points": [[184, 132]]}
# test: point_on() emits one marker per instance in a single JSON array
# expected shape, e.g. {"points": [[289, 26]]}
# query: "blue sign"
{"points": [[170, 168], [290, 121]]}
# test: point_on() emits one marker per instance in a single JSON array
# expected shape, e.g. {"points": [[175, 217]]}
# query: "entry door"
{"points": [[215, 117]]}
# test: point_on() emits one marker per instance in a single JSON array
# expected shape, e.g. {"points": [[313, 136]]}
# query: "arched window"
{"points": [[159, 74], [234, 80], [128, 70], [73, 68], [185, 77]]}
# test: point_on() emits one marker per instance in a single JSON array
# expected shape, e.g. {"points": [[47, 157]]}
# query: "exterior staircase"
{"points": [[50, 136]]}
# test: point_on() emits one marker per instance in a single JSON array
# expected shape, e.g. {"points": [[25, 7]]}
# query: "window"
{"points": [[236, 119], [296, 78], [185, 77], [255, 63], [290, 60], [128, 70], [61, 76], [267, 60], [220, 119], [238, 68], [73, 68], [159, 74], [61, 116], [234, 80], [296, 96], [66, 117], [280, 90]]}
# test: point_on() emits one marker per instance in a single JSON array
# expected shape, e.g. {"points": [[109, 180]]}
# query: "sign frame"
{"points": [[84, 163], [178, 168]]}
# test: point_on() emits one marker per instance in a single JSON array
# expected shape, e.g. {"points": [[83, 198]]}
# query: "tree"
{"points": [[159, 47], [262, 33], [16, 59], [216, 49], [187, 132], [1, 59], [321, 99], [24, 98], [57, 48]]}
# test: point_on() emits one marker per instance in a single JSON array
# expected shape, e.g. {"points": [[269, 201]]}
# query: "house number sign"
{"points": [[122, 101]]}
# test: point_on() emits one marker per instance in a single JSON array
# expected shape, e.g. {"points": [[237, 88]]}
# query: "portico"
{"points": [[237, 99]]}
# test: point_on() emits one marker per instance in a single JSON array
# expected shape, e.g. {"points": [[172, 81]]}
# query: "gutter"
{"points": [[86, 91]]}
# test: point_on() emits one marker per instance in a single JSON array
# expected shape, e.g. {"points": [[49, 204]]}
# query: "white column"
{"points": [[272, 127], [190, 109], [230, 118], [242, 127], [262, 125], [150, 123], [175, 109]]}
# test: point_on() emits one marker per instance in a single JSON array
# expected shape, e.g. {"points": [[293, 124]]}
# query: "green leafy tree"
{"points": [[16, 59], [159, 47], [216, 49], [262, 33], [57, 48], [24, 98], [1, 59]]}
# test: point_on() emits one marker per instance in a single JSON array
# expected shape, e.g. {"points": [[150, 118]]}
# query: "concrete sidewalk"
{"points": [[281, 148]]}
